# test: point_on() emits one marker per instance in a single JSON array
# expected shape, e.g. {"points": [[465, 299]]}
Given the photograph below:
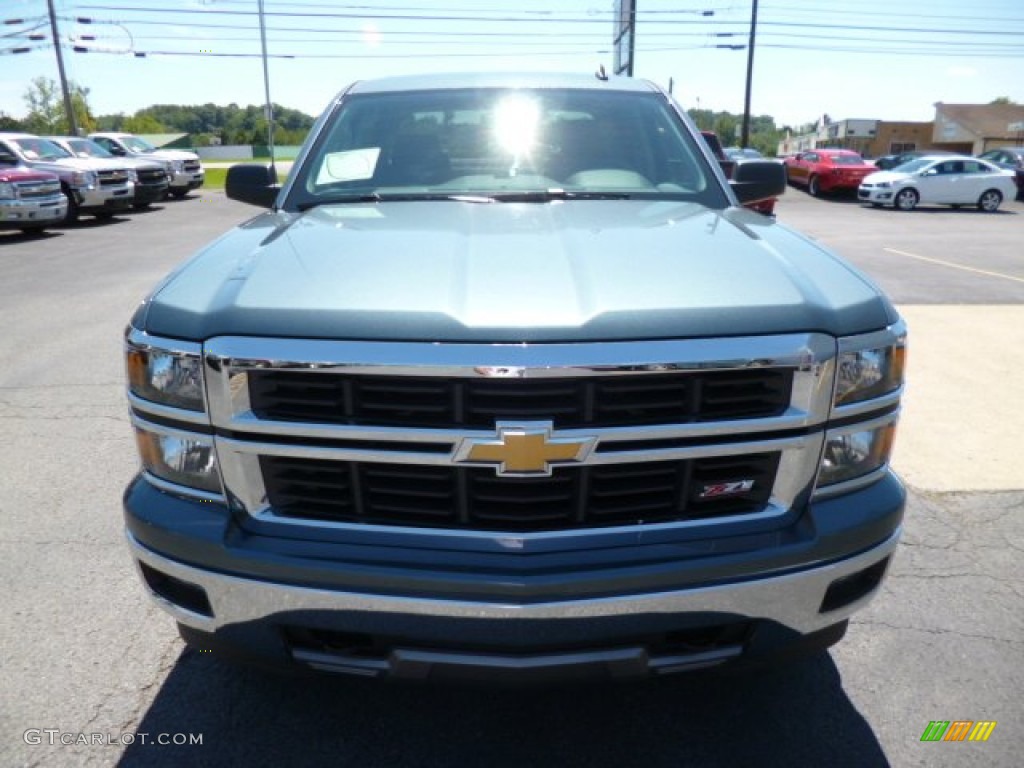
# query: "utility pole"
{"points": [[68, 110], [266, 87], [745, 136]]}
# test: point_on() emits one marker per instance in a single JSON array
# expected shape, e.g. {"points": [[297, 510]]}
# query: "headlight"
{"points": [[179, 458], [178, 165], [856, 451], [865, 374], [169, 167], [884, 184], [6, 191], [83, 179], [166, 377], [132, 175]]}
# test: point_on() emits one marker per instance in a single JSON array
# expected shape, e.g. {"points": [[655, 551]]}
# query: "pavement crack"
{"points": [[936, 631]]}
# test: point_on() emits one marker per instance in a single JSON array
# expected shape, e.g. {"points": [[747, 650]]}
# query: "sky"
{"points": [[884, 59]]}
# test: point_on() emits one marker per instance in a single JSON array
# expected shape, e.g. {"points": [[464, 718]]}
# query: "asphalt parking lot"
{"points": [[83, 651]]}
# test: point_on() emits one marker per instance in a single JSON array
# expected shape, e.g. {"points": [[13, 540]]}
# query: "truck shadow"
{"points": [[14, 237], [797, 714]]}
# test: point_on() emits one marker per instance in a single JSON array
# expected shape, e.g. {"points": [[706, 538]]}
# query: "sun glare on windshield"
{"points": [[516, 121]]}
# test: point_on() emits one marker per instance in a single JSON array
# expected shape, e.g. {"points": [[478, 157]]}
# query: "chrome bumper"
{"points": [[29, 212], [793, 599], [187, 179]]}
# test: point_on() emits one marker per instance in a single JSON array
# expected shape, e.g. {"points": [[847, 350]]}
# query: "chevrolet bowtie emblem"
{"points": [[524, 449]]}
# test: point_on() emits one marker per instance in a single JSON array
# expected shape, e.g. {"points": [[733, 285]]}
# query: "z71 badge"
{"points": [[726, 489]]}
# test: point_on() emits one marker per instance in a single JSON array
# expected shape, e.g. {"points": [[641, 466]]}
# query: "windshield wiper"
{"points": [[371, 197], [547, 195], [377, 197], [525, 196]]}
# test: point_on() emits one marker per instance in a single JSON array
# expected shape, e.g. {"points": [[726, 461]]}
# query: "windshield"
{"points": [[40, 149], [913, 166], [86, 148], [496, 145], [135, 144]]}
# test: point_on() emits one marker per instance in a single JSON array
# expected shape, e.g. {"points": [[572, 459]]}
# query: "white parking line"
{"points": [[955, 266]]}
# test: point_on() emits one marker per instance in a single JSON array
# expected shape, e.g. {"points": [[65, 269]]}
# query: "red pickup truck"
{"points": [[30, 200]]}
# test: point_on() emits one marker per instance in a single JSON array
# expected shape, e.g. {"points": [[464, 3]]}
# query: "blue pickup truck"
{"points": [[506, 383]]}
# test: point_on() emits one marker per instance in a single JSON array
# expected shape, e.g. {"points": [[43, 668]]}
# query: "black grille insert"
{"points": [[572, 497], [433, 402]]}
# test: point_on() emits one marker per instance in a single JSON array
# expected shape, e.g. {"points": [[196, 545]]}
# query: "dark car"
{"points": [[887, 162], [742, 153], [1011, 158]]}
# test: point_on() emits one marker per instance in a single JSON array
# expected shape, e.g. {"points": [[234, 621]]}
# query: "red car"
{"points": [[827, 170]]}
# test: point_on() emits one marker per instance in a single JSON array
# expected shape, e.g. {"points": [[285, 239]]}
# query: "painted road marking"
{"points": [[956, 266]]}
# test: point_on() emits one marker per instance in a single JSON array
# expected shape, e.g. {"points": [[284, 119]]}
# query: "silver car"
{"points": [[939, 180]]}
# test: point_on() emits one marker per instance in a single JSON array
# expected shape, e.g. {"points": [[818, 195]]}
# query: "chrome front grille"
{"points": [[447, 497], [112, 178], [34, 190], [151, 176], [416, 401], [192, 166], [321, 433]]}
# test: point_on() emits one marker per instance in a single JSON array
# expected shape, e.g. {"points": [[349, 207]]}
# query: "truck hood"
{"points": [[169, 154], [24, 174], [66, 164], [512, 272]]}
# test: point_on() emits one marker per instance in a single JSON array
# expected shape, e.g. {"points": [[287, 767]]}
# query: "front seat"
{"points": [[414, 159]]}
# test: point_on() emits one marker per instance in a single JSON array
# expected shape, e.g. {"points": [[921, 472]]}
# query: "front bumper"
{"points": [[104, 198], [188, 180], [876, 195], [283, 602], [150, 193], [20, 214]]}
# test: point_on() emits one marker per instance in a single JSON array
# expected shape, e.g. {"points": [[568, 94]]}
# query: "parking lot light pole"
{"points": [[745, 136], [266, 87], [68, 110]]}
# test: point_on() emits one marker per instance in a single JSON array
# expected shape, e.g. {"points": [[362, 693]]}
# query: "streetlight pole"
{"points": [[68, 110], [745, 136], [266, 87]]}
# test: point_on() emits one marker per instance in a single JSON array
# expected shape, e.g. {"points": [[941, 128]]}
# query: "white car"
{"points": [[941, 180]]}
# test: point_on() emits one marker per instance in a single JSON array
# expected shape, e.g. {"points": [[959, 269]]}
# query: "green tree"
{"points": [[1003, 100], [143, 123], [45, 104], [8, 123], [109, 123]]}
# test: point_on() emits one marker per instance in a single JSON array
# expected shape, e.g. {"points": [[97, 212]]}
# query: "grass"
{"points": [[215, 177]]}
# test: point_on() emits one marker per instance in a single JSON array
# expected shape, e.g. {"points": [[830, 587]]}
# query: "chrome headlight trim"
{"points": [[154, 456], [166, 373], [885, 349], [881, 428]]}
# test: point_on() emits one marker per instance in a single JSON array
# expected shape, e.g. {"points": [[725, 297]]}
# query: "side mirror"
{"points": [[755, 180], [117, 149], [253, 184], [6, 158]]}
